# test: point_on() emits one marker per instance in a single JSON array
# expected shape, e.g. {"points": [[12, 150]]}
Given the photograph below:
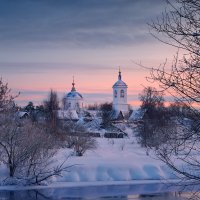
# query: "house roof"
{"points": [[68, 114]]}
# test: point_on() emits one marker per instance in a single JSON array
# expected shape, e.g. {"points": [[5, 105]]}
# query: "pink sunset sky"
{"points": [[45, 43]]}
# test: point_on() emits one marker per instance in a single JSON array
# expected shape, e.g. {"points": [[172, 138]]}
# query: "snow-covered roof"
{"points": [[92, 113], [137, 114], [21, 114], [116, 115], [68, 114]]}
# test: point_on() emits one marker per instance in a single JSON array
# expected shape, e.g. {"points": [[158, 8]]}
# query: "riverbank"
{"points": [[114, 162], [88, 184]]}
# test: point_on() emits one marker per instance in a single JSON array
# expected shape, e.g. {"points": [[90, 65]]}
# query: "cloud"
{"points": [[45, 42], [38, 96], [88, 23], [36, 67]]}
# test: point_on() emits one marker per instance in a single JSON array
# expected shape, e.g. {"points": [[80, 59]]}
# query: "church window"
{"points": [[122, 93], [115, 93]]}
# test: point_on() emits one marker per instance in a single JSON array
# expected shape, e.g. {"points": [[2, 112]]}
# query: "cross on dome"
{"points": [[73, 85], [119, 76]]}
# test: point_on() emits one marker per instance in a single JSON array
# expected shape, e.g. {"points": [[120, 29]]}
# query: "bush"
{"points": [[82, 143], [78, 139]]}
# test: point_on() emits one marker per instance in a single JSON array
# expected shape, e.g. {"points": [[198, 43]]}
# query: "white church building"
{"points": [[73, 101], [72, 105], [120, 96]]}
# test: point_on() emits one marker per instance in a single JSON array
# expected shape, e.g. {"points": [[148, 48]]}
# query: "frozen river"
{"points": [[151, 191]]}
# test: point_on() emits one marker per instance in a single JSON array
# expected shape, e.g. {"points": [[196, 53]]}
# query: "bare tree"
{"points": [[155, 119], [105, 110], [27, 150], [181, 110], [6, 98], [19, 140], [151, 98], [25, 147], [51, 106], [77, 138], [94, 106], [180, 26], [83, 142]]}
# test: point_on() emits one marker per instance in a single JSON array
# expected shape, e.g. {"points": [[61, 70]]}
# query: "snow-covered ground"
{"points": [[115, 161]]}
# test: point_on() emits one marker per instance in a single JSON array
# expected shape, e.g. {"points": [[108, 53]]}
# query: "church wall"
{"points": [[120, 102], [73, 104], [120, 107], [117, 98]]}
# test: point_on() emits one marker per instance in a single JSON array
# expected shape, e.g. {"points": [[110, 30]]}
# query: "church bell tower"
{"points": [[120, 95]]}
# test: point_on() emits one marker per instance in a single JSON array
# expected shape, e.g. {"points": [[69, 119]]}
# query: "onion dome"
{"points": [[74, 94], [120, 83]]}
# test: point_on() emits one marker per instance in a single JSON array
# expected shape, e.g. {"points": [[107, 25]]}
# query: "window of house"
{"points": [[115, 93], [122, 93]]}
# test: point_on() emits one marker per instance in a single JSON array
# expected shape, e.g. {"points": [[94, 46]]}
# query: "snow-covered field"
{"points": [[114, 160]]}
